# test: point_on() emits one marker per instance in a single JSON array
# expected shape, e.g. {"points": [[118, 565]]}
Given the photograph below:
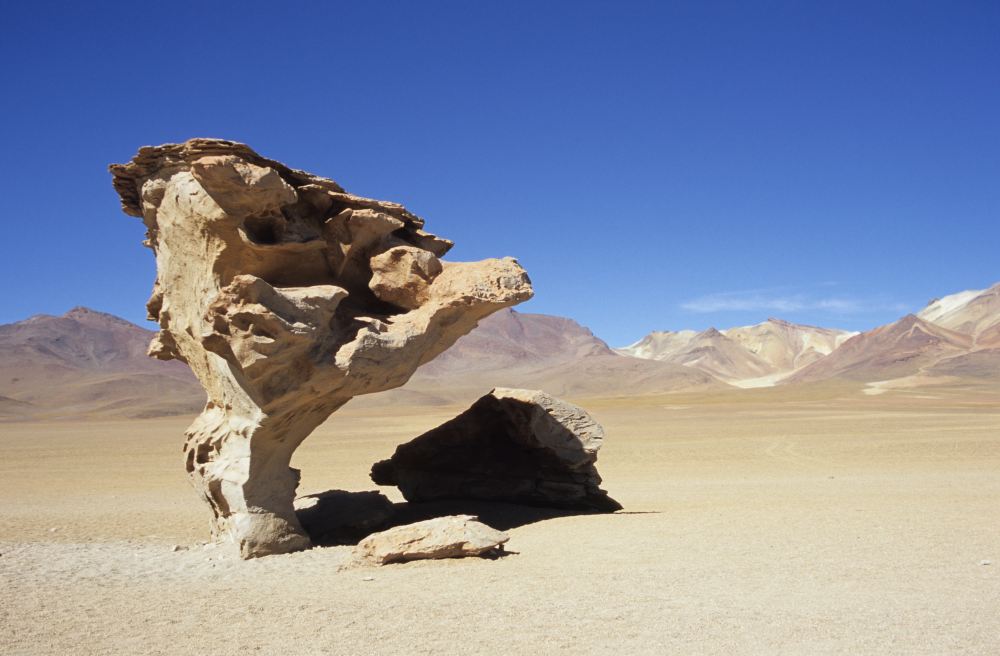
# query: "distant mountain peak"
{"points": [[82, 310], [769, 349], [87, 361], [79, 313], [83, 313], [784, 323], [975, 312]]}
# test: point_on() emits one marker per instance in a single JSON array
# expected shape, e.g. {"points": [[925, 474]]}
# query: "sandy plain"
{"points": [[819, 521]]}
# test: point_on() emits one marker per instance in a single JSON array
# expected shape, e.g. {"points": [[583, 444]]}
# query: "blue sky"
{"points": [[654, 165]]}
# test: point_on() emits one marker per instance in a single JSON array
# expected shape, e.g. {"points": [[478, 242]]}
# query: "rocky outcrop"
{"points": [[454, 536], [520, 446], [287, 296]]}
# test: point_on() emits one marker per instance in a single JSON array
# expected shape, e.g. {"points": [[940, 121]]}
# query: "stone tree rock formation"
{"points": [[520, 446], [287, 296]]}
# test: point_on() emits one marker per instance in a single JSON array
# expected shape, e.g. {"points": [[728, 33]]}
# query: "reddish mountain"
{"points": [[902, 348], [88, 362], [513, 349]]}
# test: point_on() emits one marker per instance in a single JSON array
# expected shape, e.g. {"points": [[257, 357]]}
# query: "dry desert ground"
{"points": [[757, 522]]}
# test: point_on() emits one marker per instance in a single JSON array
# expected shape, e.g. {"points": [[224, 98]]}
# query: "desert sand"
{"points": [[782, 521]]}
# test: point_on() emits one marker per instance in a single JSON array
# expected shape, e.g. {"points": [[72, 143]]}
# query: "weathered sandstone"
{"points": [[287, 296], [454, 536], [520, 446]]}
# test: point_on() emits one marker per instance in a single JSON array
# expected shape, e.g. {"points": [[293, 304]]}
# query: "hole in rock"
{"points": [[202, 453], [302, 224], [264, 229]]}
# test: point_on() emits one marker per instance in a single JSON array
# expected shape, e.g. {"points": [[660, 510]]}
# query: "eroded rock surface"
{"points": [[454, 536], [521, 446], [287, 296]]}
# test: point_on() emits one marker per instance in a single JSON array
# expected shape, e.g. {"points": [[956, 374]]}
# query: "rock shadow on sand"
{"points": [[338, 517]]}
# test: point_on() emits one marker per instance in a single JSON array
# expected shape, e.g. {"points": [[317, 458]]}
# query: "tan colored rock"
{"points": [[263, 288], [455, 536], [403, 275], [514, 445]]}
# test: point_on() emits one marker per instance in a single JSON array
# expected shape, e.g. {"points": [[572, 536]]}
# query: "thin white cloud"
{"points": [[762, 301], [735, 301]]}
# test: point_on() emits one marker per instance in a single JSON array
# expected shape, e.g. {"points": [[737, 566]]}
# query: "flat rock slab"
{"points": [[455, 536], [513, 445]]}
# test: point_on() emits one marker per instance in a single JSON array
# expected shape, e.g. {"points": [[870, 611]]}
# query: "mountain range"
{"points": [[92, 363], [746, 356], [515, 349], [957, 336], [87, 362]]}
